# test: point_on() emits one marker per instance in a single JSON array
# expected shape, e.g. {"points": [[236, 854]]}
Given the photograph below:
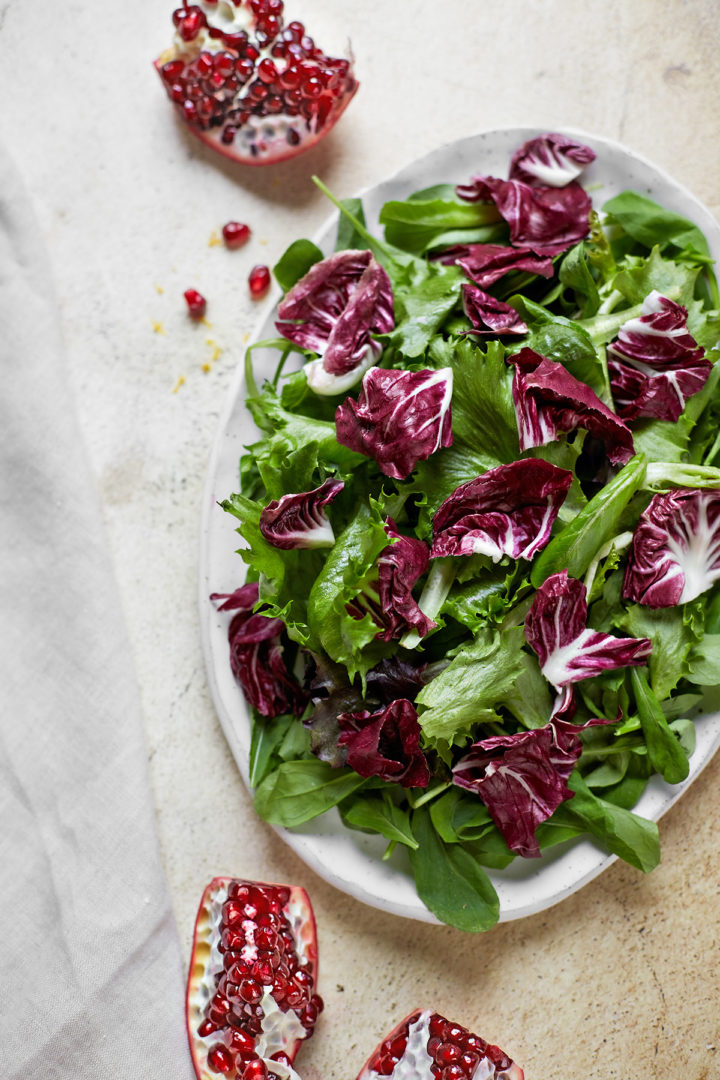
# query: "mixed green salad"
{"points": [[482, 524]]}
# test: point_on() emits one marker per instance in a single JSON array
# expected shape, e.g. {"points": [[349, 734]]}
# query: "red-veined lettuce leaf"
{"points": [[547, 218], [333, 310], [568, 650], [675, 553], [488, 315], [550, 160], [386, 743], [299, 520], [399, 418], [522, 778], [550, 402], [655, 364], [508, 510], [485, 264], [256, 655]]}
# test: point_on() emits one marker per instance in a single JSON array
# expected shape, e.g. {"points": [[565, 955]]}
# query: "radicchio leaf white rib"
{"points": [[485, 264], [399, 418], [522, 778], [333, 311], [508, 510], [568, 650], [550, 402], [655, 365], [550, 161], [256, 655], [488, 315], [675, 553], [386, 743], [299, 520]]}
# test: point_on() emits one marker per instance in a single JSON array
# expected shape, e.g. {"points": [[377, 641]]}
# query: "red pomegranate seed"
{"points": [[219, 1059], [267, 71], [259, 283], [192, 24], [204, 64], [297, 30], [196, 303], [255, 1070], [224, 63], [206, 1028], [447, 1054], [173, 70], [235, 234]]}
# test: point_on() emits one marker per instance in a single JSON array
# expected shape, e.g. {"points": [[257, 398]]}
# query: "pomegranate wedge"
{"points": [[249, 85], [426, 1046], [250, 996]]}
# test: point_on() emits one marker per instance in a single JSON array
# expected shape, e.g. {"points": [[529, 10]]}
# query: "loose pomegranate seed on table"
{"points": [[235, 234], [196, 303], [259, 281]]}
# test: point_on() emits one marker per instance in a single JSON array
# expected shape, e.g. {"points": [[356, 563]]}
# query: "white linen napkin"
{"points": [[90, 964]]}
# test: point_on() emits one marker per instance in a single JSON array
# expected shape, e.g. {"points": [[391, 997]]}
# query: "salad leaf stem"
{"points": [[431, 793], [434, 594]]}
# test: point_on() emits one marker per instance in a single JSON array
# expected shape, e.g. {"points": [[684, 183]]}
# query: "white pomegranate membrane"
{"points": [[251, 997], [426, 1046], [254, 88]]}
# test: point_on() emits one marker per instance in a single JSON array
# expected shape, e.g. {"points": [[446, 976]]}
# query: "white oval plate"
{"points": [[352, 860]]}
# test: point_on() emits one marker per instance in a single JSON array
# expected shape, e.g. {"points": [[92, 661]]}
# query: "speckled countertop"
{"points": [[623, 979]]}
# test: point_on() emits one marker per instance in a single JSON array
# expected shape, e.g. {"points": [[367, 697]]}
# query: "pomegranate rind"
{"points": [[301, 917], [490, 1070]]}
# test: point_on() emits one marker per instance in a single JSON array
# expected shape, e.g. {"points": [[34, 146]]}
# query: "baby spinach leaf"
{"points": [[450, 882], [348, 237], [633, 838], [649, 223], [415, 224], [665, 752], [574, 547], [298, 791], [295, 263], [266, 737], [379, 814]]}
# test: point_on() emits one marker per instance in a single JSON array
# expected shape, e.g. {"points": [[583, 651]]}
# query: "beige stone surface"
{"points": [[620, 982]]}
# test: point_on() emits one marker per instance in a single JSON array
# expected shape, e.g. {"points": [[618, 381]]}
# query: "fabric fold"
{"points": [[90, 958]]}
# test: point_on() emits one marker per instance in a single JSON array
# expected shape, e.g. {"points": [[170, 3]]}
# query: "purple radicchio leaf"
{"points": [[300, 521], [389, 599], [256, 655], [675, 553], [485, 264], [508, 510], [568, 650], [333, 310], [399, 418], [488, 315], [400, 565], [550, 160], [547, 219], [386, 743], [522, 778], [654, 363], [550, 402]]}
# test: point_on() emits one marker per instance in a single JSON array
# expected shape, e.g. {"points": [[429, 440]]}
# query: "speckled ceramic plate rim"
{"points": [[349, 860]]}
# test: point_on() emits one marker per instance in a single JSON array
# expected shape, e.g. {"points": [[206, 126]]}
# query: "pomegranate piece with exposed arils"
{"points": [[251, 989], [426, 1046], [251, 86]]}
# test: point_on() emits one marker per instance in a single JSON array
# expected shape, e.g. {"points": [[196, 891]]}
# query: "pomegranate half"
{"points": [[251, 988], [426, 1046], [255, 89]]}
